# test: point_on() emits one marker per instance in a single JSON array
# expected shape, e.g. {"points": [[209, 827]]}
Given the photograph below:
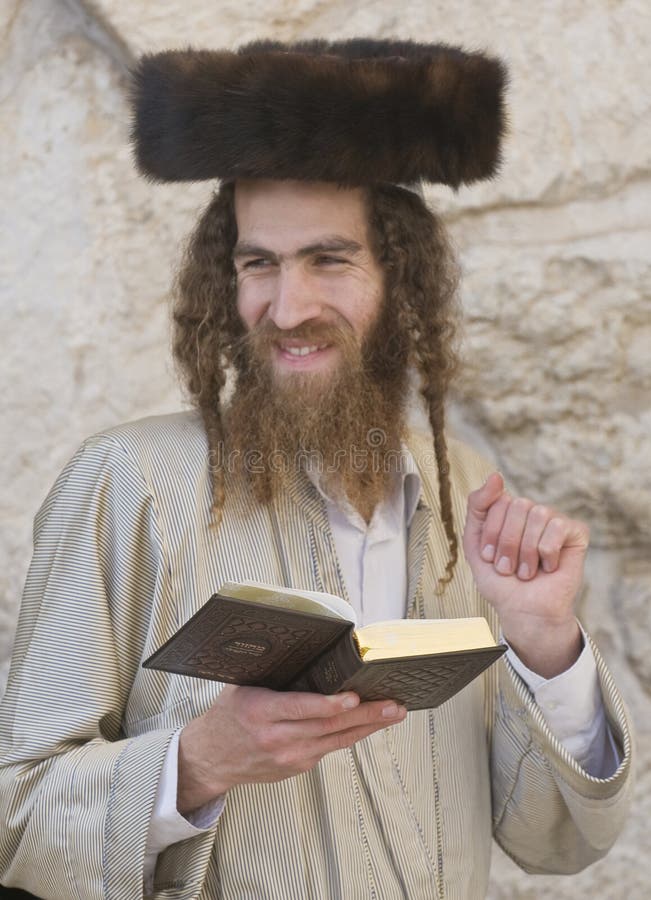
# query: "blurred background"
{"points": [[556, 283]]}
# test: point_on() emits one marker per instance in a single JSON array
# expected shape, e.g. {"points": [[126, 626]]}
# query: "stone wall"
{"points": [[556, 265]]}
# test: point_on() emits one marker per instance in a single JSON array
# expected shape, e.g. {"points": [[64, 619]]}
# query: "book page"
{"points": [[415, 637], [290, 598]]}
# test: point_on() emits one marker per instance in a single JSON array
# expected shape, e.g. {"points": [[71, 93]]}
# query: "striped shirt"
{"points": [[123, 555]]}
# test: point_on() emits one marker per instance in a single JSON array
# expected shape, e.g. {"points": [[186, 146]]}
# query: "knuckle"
{"points": [[557, 524], [265, 738], [292, 708], [522, 505], [507, 545], [367, 712], [539, 513], [263, 709], [331, 725], [548, 546], [490, 531], [528, 551], [287, 759], [498, 510]]}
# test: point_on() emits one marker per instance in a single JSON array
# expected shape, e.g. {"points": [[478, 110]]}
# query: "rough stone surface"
{"points": [[557, 284], [86, 264], [564, 390]]}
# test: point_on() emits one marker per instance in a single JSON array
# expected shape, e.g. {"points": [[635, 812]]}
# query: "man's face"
{"points": [[304, 265], [312, 372]]}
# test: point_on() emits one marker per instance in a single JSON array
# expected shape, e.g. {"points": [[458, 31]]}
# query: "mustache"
{"points": [[262, 337], [269, 333]]}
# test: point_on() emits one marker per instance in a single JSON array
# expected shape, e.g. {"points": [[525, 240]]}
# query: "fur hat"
{"points": [[350, 112]]}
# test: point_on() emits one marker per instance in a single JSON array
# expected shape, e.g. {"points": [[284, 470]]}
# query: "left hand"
{"points": [[527, 561]]}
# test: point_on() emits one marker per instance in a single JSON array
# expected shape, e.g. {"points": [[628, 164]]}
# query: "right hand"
{"points": [[253, 734]]}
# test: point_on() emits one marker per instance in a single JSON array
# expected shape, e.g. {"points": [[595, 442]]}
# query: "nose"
{"points": [[294, 299]]}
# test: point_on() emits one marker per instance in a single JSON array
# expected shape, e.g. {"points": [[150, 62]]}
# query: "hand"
{"points": [[253, 734], [527, 561]]}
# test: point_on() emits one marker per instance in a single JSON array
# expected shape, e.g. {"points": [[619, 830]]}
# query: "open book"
{"points": [[287, 639]]}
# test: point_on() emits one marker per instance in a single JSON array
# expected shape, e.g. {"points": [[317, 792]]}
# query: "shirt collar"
{"points": [[406, 479]]}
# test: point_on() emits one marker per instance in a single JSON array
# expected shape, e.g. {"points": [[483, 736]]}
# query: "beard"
{"points": [[346, 423]]}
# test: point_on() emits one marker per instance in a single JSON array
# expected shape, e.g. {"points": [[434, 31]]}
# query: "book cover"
{"points": [[245, 642]]}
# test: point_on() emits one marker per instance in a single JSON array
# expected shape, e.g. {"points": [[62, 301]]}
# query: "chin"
{"points": [[311, 382], [304, 379]]}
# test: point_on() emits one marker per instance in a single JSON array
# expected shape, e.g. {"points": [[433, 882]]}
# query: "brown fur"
{"points": [[350, 112]]}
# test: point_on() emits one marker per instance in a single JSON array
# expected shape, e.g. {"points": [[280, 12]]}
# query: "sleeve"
{"points": [[572, 706], [76, 796], [167, 826], [549, 814]]}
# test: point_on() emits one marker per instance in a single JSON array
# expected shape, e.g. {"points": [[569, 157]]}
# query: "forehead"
{"points": [[281, 211]]}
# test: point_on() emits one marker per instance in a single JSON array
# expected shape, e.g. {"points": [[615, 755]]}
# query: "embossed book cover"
{"points": [[285, 639]]}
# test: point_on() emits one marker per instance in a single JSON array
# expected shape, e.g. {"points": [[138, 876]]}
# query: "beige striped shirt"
{"points": [[123, 556]]}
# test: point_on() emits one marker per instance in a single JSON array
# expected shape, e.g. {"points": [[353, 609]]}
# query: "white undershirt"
{"points": [[373, 560]]}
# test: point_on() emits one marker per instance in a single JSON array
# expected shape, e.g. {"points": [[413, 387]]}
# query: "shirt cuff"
{"points": [[573, 708], [167, 825]]}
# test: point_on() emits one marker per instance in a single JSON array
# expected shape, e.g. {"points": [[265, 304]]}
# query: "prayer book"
{"points": [[299, 640]]}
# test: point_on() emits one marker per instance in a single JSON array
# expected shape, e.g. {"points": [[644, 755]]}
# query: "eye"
{"points": [[257, 263], [330, 260]]}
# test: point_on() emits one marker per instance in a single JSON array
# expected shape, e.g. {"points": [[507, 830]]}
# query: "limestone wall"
{"points": [[555, 256]]}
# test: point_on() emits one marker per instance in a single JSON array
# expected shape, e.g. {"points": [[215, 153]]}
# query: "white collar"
{"points": [[402, 500]]}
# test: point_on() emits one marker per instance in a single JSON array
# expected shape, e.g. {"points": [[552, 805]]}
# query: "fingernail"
{"points": [[504, 566], [390, 711], [349, 702], [488, 553], [523, 571]]}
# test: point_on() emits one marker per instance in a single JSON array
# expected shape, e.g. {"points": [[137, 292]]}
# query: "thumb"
{"points": [[480, 501]]}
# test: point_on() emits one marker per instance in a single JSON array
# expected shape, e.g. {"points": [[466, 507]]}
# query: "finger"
{"points": [[480, 501], [479, 504], [298, 705], [507, 549], [301, 756], [372, 713], [560, 534], [529, 559], [492, 527], [342, 739]]}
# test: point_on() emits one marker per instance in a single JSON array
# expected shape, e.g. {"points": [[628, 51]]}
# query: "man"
{"points": [[322, 291]]}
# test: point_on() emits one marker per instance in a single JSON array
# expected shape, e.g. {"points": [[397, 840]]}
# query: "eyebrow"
{"points": [[334, 244]]}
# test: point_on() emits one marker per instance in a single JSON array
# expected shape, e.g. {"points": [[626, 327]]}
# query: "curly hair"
{"points": [[422, 276], [421, 279]]}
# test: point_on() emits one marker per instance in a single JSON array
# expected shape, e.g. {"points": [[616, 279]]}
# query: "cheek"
{"points": [[250, 303], [360, 309]]}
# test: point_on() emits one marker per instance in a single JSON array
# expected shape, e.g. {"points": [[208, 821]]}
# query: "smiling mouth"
{"points": [[302, 350]]}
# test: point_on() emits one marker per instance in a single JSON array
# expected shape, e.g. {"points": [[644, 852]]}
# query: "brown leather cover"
{"points": [[242, 642]]}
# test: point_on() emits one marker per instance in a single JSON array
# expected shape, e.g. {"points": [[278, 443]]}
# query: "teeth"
{"points": [[303, 351]]}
